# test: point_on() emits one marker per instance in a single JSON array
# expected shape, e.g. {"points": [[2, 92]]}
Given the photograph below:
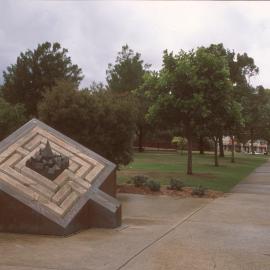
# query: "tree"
{"points": [[264, 130], [25, 82], [213, 70], [225, 111], [179, 99], [194, 90], [98, 120], [234, 121], [127, 72], [241, 68], [256, 108], [124, 78], [11, 117]]}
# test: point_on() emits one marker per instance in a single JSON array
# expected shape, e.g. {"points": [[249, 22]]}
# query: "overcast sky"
{"points": [[94, 32]]}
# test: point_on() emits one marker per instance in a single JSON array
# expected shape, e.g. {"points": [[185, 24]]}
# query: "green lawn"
{"points": [[162, 166]]}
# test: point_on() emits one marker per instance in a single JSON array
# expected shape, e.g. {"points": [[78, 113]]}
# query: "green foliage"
{"points": [[176, 184], [124, 79], [35, 71], [153, 185], [139, 180], [180, 142], [199, 191], [127, 73], [193, 91], [256, 110], [11, 117], [98, 120]]}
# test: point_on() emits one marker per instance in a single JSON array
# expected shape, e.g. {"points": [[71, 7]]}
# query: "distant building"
{"points": [[260, 146]]}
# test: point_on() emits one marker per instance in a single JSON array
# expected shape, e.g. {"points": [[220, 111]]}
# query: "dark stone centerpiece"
{"points": [[47, 163]]}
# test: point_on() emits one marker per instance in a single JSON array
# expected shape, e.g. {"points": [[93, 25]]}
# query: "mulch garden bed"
{"points": [[185, 192]]}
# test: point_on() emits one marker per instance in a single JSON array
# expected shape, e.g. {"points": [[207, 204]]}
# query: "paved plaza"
{"points": [[162, 233]]}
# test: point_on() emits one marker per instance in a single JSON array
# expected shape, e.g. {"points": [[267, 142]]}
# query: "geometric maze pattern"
{"points": [[57, 196]]}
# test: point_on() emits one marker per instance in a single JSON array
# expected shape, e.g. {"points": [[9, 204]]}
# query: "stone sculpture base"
{"points": [[16, 217], [83, 195]]}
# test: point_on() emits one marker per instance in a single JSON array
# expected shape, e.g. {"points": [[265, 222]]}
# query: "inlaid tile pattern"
{"points": [[59, 195]]}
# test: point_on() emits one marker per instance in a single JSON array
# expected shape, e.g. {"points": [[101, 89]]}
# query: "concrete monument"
{"points": [[50, 184]]}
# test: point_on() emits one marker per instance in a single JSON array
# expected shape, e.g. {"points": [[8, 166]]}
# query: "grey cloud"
{"points": [[95, 31]]}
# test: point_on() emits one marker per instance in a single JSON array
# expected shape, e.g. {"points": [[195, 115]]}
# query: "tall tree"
{"points": [[35, 71], [255, 111], [179, 99], [241, 69], [127, 72], [234, 122], [124, 78], [264, 129], [213, 69]]}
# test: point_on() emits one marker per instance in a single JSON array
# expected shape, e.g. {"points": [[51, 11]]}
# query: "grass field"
{"points": [[162, 166]]}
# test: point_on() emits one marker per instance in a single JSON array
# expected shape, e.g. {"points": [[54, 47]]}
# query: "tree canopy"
{"points": [[125, 78], [97, 120], [37, 70], [194, 88], [11, 117], [127, 72], [202, 93]]}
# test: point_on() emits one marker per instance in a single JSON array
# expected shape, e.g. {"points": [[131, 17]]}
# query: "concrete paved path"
{"points": [[162, 233], [230, 233]]}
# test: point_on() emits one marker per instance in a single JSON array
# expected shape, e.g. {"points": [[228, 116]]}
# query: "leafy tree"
{"points": [[256, 108], [127, 72], [264, 130], [194, 89], [11, 117], [214, 72], [125, 77], [241, 68], [226, 112], [234, 122], [98, 120], [37, 70], [179, 99]]}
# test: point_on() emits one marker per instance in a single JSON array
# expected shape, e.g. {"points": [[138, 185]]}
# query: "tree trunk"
{"points": [[252, 141], [216, 151], [221, 147], [233, 150], [140, 139], [189, 159], [201, 145]]}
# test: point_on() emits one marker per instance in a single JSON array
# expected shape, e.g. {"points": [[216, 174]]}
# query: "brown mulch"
{"points": [[185, 192]]}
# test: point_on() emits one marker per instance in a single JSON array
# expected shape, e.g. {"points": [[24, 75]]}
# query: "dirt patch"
{"points": [[185, 192]]}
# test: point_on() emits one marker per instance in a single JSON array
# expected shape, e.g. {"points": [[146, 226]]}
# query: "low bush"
{"points": [[199, 191], [176, 184], [153, 185], [139, 180]]}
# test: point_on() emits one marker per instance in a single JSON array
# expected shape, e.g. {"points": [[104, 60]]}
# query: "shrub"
{"points": [[176, 184], [199, 191], [180, 143], [139, 180], [153, 185]]}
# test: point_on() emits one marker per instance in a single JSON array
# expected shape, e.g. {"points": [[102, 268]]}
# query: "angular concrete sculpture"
{"points": [[80, 197]]}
